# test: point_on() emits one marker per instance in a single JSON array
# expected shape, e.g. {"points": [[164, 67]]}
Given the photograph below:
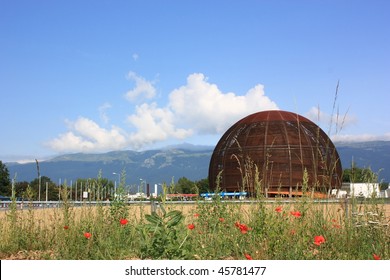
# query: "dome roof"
{"points": [[273, 151]]}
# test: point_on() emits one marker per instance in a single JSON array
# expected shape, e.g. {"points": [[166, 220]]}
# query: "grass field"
{"points": [[205, 231]]}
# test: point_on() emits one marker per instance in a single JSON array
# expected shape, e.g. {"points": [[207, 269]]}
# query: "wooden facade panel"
{"points": [[281, 145]]}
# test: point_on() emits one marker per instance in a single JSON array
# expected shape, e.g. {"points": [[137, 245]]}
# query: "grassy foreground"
{"points": [[205, 231]]}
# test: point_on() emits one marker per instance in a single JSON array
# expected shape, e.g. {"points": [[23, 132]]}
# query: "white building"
{"points": [[366, 190], [138, 195], [339, 193], [385, 193]]}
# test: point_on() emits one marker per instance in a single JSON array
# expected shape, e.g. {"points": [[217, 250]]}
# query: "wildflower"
{"points": [[279, 209], [66, 227], [293, 232], [87, 235], [123, 221], [318, 240], [221, 220], [248, 257], [376, 257], [242, 227], [296, 214], [196, 215], [191, 226]]}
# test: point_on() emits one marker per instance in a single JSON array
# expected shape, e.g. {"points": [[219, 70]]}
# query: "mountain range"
{"points": [[174, 162]]}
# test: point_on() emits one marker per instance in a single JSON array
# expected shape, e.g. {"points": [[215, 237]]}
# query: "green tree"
{"points": [[52, 189], [21, 188], [359, 175], [5, 182], [203, 185], [185, 185], [105, 186]]}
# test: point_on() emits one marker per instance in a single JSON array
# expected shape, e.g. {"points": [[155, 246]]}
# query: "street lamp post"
{"points": [[119, 179], [39, 188], [59, 190], [141, 184], [145, 186]]}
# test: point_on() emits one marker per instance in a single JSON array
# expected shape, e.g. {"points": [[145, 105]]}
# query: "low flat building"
{"points": [[366, 190]]}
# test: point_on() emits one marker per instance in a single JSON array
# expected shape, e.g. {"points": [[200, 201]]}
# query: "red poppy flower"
{"points": [[242, 227], [196, 215], [221, 220], [293, 232], [318, 240], [376, 257], [296, 214], [191, 226], [248, 257], [66, 227], [123, 221], [279, 209], [87, 235]]}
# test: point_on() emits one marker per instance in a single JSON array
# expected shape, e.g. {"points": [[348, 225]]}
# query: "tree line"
{"points": [[43, 188]]}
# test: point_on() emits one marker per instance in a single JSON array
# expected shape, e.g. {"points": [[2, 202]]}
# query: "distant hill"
{"points": [[174, 162], [373, 154], [154, 166]]}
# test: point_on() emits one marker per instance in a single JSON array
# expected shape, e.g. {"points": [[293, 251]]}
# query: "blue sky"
{"points": [[95, 76]]}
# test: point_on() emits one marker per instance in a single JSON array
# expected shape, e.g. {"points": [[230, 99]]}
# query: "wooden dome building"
{"points": [[275, 152]]}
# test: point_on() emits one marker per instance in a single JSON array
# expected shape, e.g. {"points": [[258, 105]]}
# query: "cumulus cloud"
{"points": [[154, 124], [201, 106], [143, 88], [87, 135], [196, 108]]}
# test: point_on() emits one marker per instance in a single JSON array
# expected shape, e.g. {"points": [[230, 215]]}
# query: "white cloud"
{"points": [[201, 106], [360, 137], [154, 124], [196, 108], [86, 135], [142, 88]]}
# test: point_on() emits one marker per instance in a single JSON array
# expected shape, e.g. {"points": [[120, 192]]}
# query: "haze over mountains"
{"points": [[174, 162]]}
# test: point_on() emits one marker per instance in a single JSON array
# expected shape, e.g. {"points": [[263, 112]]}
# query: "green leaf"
{"points": [[163, 209], [174, 217], [154, 219]]}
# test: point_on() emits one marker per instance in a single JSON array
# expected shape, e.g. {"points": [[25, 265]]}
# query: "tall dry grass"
{"points": [[214, 230]]}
